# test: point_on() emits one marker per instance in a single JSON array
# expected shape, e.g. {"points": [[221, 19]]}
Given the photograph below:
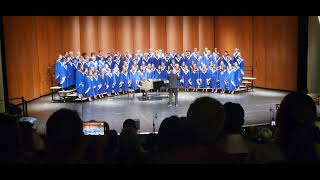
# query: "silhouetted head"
{"points": [[64, 131], [129, 123], [10, 139], [170, 133], [296, 118], [234, 117], [206, 116]]}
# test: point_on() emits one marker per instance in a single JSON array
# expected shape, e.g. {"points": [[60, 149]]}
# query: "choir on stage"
{"points": [[96, 76]]}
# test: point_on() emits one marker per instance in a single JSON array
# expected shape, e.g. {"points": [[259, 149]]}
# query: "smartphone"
{"points": [[93, 128], [273, 123]]}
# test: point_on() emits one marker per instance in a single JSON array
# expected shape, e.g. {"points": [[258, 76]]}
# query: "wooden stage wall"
{"points": [[269, 43]]}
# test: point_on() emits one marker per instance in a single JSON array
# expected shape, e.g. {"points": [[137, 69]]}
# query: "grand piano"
{"points": [[152, 85]]}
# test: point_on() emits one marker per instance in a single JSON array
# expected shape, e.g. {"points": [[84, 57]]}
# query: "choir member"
{"points": [[117, 78], [57, 68], [214, 78], [80, 81], [149, 72], [226, 57], [157, 73], [118, 61], [194, 77], [167, 61], [237, 75], [186, 77], [230, 79], [134, 78], [187, 58], [110, 62], [222, 81], [63, 73], [204, 77], [109, 81], [124, 79], [95, 84], [146, 59], [89, 90], [179, 59], [99, 56], [101, 83]]}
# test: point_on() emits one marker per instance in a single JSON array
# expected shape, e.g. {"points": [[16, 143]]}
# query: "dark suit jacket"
{"points": [[173, 80]]}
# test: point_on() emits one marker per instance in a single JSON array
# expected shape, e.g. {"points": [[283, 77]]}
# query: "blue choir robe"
{"points": [[163, 74], [157, 61], [69, 73], [222, 78], [167, 61], [95, 85], [211, 58], [241, 65], [157, 74], [151, 59], [72, 77], [186, 77], [216, 61], [86, 65], [214, 82], [230, 80], [134, 78], [119, 63], [146, 60], [100, 64], [149, 73], [101, 84], [99, 57], [205, 60], [80, 82], [204, 76], [166, 74], [93, 65], [237, 76], [89, 89], [117, 78], [109, 82], [125, 80], [63, 76], [194, 78], [194, 59], [187, 60], [179, 60], [172, 57], [142, 75], [57, 70], [110, 63]]}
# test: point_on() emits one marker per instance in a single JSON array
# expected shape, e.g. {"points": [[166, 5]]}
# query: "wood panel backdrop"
{"points": [[269, 43]]}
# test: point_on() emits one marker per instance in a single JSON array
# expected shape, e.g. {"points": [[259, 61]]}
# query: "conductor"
{"points": [[173, 86]]}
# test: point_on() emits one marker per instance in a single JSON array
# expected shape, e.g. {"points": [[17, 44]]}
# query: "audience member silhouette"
{"points": [[11, 148], [296, 122], [65, 140], [232, 142]]}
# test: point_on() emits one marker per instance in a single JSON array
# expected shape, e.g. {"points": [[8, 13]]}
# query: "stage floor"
{"points": [[115, 110]]}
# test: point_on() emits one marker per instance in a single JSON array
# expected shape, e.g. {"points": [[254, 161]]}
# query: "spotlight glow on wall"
{"points": [[319, 18]]}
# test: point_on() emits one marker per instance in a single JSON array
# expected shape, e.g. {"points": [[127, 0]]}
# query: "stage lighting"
{"points": [[319, 19]]}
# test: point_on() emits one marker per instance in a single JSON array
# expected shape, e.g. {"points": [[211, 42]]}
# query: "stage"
{"points": [[115, 110]]}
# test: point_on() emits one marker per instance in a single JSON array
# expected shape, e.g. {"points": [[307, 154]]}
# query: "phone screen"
{"points": [[273, 123], [93, 128]]}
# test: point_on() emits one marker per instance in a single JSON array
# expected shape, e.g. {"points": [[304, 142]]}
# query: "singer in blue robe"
{"points": [[119, 63], [117, 78], [57, 69], [63, 73], [110, 81], [214, 78], [157, 74], [204, 75], [222, 79], [194, 78], [80, 81], [230, 79], [205, 60], [237, 76], [157, 61], [124, 80], [86, 65], [101, 84], [186, 76], [110, 63], [134, 78], [95, 84], [89, 89], [149, 73], [179, 60], [167, 61]]}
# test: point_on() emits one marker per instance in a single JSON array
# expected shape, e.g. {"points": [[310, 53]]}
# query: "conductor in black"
{"points": [[173, 86]]}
